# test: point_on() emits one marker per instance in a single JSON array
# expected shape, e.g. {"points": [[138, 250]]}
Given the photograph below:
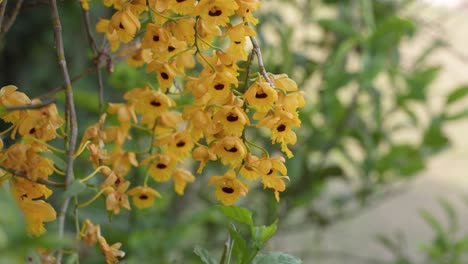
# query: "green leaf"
{"points": [[73, 189], [457, 94], [59, 163], [264, 233], [239, 214], [204, 255], [405, 159], [388, 34], [337, 26], [434, 137], [432, 221], [457, 116], [276, 258], [451, 214], [239, 245], [419, 80]]}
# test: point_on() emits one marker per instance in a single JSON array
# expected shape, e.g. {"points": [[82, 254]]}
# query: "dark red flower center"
{"points": [[155, 103], [161, 166], [232, 118], [219, 86], [281, 128], [164, 75], [215, 12], [228, 190], [233, 149]]}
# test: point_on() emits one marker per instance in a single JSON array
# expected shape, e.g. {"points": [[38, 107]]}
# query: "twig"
{"points": [[2, 12], [247, 70], [327, 254], [30, 106], [31, 5], [72, 126], [97, 58], [22, 174], [12, 19], [62, 87], [258, 52]]}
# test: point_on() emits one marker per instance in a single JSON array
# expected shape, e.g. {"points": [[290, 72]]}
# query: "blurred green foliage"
{"points": [[362, 104]]}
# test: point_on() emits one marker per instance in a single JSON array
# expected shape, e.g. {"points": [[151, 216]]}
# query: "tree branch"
{"points": [[97, 58], [258, 52], [22, 174], [72, 125], [62, 87], [2, 12], [30, 106], [12, 19]]}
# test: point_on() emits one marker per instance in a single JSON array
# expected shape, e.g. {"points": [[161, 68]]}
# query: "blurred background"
{"points": [[379, 172]]}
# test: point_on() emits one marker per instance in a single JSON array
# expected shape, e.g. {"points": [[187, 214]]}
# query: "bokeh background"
{"points": [[379, 173]]}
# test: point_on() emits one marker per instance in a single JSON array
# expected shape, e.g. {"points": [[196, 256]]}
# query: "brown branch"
{"points": [[12, 19], [2, 12], [97, 58], [247, 70], [72, 125], [23, 174], [34, 4], [63, 86], [30, 106], [258, 52]]}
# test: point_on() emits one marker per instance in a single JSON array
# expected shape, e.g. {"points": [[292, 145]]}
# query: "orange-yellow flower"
{"points": [[237, 34], [111, 252], [102, 26], [122, 160], [230, 150], [182, 7], [161, 166], [10, 97], [35, 211], [179, 144], [40, 123], [181, 178], [125, 114], [280, 124], [246, 8], [228, 187], [143, 196], [232, 118], [155, 38], [125, 23], [117, 199], [216, 11], [203, 154], [165, 72], [90, 233], [261, 96]]}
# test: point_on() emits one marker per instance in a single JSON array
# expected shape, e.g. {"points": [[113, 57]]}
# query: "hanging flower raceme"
{"points": [[202, 106]]}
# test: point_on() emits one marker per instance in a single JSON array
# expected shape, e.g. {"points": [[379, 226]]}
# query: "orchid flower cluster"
{"points": [[172, 39]]}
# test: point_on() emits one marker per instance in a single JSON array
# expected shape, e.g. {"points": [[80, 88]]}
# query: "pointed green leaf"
{"points": [[433, 222], [276, 258], [204, 255], [59, 163], [264, 233], [74, 189], [239, 245], [239, 214], [457, 94]]}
